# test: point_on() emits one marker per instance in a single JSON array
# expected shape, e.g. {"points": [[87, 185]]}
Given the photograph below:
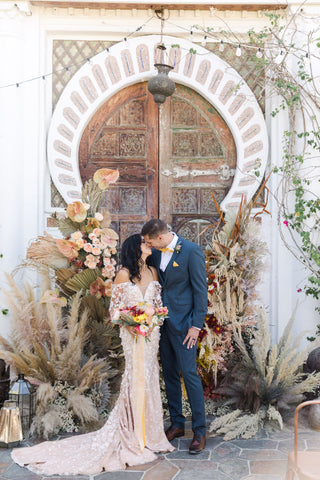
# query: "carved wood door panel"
{"points": [[197, 158], [123, 134], [169, 162]]}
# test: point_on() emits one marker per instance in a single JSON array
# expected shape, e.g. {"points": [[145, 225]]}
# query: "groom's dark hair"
{"points": [[154, 228]]}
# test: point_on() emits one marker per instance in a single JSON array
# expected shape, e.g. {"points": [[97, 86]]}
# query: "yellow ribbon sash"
{"points": [[138, 390]]}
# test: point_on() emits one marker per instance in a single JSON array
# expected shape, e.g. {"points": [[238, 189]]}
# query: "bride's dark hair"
{"points": [[130, 256]]}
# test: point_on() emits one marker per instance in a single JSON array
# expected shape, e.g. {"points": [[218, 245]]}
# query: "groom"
{"points": [[182, 274]]}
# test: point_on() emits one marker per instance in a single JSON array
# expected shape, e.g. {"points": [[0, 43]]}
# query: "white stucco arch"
{"points": [[132, 61]]}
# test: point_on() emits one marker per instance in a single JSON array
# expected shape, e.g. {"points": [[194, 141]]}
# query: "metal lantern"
{"points": [[10, 425], [161, 86], [24, 394]]}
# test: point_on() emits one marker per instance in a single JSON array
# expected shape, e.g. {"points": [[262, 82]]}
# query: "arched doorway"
{"points": [[169, 162]]}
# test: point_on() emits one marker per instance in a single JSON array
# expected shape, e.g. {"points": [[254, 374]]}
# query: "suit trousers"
{"points": [[176, 358]]}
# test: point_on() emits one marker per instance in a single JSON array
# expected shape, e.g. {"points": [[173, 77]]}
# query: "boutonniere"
{"points": [[177, 248], [175, 264]]}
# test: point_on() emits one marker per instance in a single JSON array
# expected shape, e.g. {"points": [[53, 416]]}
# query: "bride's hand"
{"points": [[131, 330], [148, 335]]}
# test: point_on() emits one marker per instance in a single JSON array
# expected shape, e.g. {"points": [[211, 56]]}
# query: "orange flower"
{"points": [[109, 237], [76, 211], [67, 248], [91, 225], [98, 288], [52, 296], [91, 261], [105, 176]]}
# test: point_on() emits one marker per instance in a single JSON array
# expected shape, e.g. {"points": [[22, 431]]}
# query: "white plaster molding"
{"points": [[133, 62]]}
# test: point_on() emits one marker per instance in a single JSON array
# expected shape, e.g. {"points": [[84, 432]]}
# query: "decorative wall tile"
{"points": [[100, 78], [113, 69], [78, 101], [203, 72], [88, 89], [71, 116], [127, 62], [142, 53]]}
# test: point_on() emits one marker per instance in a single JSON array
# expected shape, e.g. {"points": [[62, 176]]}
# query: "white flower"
{"points": [[98, 216], [143, 328]]}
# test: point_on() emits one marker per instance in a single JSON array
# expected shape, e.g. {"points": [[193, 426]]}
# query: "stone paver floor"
{"points": [[263, 457]]}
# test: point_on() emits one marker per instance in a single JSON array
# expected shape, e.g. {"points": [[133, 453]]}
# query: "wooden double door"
{"points": [[170, 159]]}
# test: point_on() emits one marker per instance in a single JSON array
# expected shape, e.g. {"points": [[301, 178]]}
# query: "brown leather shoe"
{"points": [[174, 432], [198, 444]]}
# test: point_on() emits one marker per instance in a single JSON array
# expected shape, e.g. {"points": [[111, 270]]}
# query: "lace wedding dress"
{"points": [[115, 445]]}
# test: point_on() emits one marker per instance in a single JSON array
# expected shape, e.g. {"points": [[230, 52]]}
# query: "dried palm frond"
{"points": [[63, 275], [82, 280], [44, 250], [65, 225], [96, 310]]}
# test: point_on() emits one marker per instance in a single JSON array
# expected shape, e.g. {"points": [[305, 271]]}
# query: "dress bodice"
{"points": [[130, 294]]}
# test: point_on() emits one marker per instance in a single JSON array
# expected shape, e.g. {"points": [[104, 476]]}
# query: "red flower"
{"points": [[202, 334]]}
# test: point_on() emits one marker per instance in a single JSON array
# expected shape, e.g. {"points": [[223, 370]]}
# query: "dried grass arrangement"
{"points": [[235, 264], [62, 340], [47, 344], [265, 384]]}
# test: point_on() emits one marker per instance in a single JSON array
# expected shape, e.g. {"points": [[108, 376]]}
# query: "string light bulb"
{"points": [[191, 36], [221, 46], [279, 58], [68, 71], [204, 41], [238, 51], [259, 53]]}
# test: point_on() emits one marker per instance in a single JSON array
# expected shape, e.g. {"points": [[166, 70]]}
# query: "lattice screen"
{"points": [[70, 54]]}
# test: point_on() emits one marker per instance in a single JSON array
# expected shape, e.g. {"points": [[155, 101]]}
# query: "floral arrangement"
{"points": [[61, 336], [143, 317], [85, 259], [234, 268]]}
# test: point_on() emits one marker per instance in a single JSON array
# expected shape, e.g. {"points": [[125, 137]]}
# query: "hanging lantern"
{"points": [[24, 394], [10, 425], [161, 86]]}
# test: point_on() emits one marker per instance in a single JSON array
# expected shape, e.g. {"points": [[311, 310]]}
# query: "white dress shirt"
{"points": [[166, 256]]}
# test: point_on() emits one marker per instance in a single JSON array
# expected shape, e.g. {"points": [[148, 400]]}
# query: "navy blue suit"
{"points": [[184, 293]]}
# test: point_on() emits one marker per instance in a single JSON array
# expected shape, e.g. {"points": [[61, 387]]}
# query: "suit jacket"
{"points": [[184, 286]]}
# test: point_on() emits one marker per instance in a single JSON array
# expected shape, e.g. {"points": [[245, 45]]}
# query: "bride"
{"points": [[126, 439]]}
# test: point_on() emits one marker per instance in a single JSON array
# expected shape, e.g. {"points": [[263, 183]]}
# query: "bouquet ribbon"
{"points": [[138, 390]]}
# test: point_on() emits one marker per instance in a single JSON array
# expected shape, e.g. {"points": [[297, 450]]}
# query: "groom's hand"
{"points": [[191, 337]]}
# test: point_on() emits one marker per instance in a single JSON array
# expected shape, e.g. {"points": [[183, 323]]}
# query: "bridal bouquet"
{"points": [[143, 316]]}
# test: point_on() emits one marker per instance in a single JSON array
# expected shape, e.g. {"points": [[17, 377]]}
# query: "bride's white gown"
{"points": [[115, 445]]}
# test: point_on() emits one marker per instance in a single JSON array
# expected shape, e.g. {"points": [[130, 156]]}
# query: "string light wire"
{"points": [[208, 35]]}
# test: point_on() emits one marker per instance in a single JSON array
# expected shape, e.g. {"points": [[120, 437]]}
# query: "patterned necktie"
{"points": [[166, 250]]}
